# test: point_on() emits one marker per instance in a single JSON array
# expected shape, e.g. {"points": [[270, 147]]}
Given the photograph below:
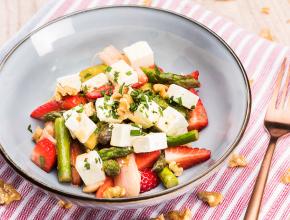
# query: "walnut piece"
{"points": [[161, 89], [237, 160], [175, 215], [114, 192], [175, 168], [124, 106], [266, 33], [265, 10], [286, 177], [37, 134], [8, 193], [211, 198], [65, 205]]}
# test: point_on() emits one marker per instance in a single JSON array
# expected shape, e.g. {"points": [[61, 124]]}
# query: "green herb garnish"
{"points": [[179, 100], [108, 69], [116, 76], [121, 88], [87, 164], [29, 128], [135, 133], [129, 73], [41, 161]]}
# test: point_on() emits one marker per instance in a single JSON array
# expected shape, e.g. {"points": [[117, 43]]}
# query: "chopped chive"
{"points": [[179, 100], [121, 88], [87, 164], [29, 128], [116, 76], [135, 133], [129, 73], [41, 161], [108, 69]]}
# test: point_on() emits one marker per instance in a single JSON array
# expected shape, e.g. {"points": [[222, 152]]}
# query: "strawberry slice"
{"points": [[70, 102], [195, 74], [100, 92], [197, 117], [107, 183], [47, 107], [44, 154], [146, 160], [186, 156], [142, 79], [149, 180]]}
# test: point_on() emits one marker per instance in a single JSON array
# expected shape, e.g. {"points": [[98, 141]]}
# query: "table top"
{"points": [[247, 13]]}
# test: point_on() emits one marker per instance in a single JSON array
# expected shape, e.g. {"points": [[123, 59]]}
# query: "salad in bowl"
{"points": [[121, 127]]}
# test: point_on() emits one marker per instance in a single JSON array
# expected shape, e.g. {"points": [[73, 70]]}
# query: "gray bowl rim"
{"points": [[167, 191]]}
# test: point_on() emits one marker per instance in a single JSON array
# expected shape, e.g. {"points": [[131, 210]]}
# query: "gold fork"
{"points": [[277, 123]]}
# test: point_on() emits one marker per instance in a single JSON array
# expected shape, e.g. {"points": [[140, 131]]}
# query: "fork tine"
{"points": [[278, 84], [285, 89]]}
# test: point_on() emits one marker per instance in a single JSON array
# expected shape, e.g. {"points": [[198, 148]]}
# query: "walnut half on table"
{"points": [[8, 193], [211, 198], [175, 215]]}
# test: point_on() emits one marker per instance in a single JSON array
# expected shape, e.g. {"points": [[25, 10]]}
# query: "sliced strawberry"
{"points": [[193, 91], [142, 79], [146, 160], [186, 156], [108, 183], [47, 107], [195, 74], [149, 180], [100, 92], [197, 117], [44, 154], [70, 102]]}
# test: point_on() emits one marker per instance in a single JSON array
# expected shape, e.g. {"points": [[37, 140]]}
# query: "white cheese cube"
{"points": [[147, 114], [97, 81], [69, 85], [89, 109], [150, 142], [121, 135], [121, 73], [172, 122], [140, 54], [89, 167], [80, 125], [105, 111], [182, 96]]}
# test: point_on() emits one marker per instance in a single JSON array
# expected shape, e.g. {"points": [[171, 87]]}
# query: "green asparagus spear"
{"points": [[63, 150], [168, 178], [161, 102], [182, 139], [111, 167], [159, 164], [51, 116], [155, 76], [114, 152]]}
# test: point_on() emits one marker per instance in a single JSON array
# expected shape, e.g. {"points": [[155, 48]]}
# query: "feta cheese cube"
{"points": [[89, 167], [172, 122], [121, 73], [89, 109], [147, 114], [80, 125], [182, 96], [121, 135], [150, 142], [140, 54], [97, 81], [105, 112], [68, 85]]}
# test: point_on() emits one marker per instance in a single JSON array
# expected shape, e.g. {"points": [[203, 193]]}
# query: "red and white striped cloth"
{"points": [[261, 60]]}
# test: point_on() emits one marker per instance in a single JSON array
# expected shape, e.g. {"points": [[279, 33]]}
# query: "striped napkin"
{"points": [[261, 60]]}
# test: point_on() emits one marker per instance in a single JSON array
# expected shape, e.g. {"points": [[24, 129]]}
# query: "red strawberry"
{"points": [[195, 74], [44, 154], [197, 117], [149, 180], [146, 160], [99, 92], [142, 79], [47, 107], [193, 91], [186, 156], [70, 102]]}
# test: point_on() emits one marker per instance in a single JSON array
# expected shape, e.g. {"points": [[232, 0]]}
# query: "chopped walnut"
{"points": [[177, 170], [89, 109], [266, 33], [117, 94], [37, 134], [65, 205], [286, 177], [212, 198], [124, 106], [161, 89], [175, 215], [92, 188], [237, 160], [63, 91], [8, 193], [265, 10], [114, 192]]}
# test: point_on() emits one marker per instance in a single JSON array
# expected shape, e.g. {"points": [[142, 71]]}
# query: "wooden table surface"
{"points": [[247, 13]]}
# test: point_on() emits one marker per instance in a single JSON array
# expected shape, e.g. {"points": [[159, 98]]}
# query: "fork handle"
{"points": [[253, 209]]}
